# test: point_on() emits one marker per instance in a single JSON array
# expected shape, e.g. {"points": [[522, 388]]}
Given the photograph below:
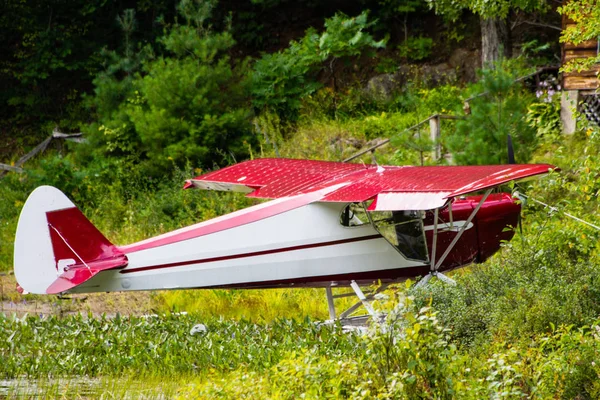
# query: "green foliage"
{"points": [[414, 146], [188, 105], [523, 325], [153, 345], [586, 15], [386, 65], [416, 48], [14, 190], [391, 8], [544, 117], [482, 137], [410, 356], [345, 36], [281, 80], [50, 52], [499, 8], [549, 276]]}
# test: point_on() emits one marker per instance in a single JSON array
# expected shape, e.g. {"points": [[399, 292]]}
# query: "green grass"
{"points": [[254, 305]]}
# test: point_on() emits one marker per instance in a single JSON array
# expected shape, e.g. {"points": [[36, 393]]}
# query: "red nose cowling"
{"points": [[494, 223]]}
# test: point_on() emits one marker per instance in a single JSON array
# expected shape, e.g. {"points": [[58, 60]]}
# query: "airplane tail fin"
{"points": [[57, 247]]}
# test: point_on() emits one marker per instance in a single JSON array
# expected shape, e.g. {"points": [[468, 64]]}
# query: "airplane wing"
{"points": [[391, 187], [273, 177]]}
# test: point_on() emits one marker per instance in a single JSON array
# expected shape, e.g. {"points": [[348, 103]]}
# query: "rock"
{"points": [[466, 63], [198, 329], [382, 87], [462, 65], [431, 75]]}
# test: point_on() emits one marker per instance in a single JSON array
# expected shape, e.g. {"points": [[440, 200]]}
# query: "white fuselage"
{"points": [[307, 241]]}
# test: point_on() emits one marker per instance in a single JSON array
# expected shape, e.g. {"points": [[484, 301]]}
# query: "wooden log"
{"points": [[588, 44], [580, 53], [580, 83], [11, 168], [60, 135], [37, 149]]}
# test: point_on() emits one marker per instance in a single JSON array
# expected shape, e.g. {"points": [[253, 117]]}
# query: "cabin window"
{"points": [[404, 230], [354, 214]]}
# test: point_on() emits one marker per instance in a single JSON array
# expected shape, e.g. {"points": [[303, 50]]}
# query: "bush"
{"points": [[549, 276], [282, 79]]}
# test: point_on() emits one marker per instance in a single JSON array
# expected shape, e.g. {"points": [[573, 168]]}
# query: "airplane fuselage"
{"points": [[277, 244]]}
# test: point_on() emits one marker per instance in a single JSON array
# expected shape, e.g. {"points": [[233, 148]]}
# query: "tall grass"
{"points": [[255, 305]]}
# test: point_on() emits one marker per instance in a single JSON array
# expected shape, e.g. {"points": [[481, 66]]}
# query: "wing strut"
{"points": [[435, 264]]}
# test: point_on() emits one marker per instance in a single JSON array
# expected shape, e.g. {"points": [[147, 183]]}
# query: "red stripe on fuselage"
{"points": [[251, 254], [229, 221]]}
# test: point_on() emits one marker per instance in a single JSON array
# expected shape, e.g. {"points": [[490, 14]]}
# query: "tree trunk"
{"points": [[495, 41]]}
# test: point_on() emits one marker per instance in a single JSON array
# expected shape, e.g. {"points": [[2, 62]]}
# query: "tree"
{"points": [[189, 103], [495, 32], [402, 7], [49, 54], [482, 137]]}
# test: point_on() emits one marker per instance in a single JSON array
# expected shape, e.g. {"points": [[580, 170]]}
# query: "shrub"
{"points": [[416, 48]]}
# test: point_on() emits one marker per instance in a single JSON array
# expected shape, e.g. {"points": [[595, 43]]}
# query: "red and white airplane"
{"points": [[328, 224]]}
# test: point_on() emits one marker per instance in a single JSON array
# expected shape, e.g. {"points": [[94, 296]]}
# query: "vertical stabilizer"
{"points": [[57, 247]]}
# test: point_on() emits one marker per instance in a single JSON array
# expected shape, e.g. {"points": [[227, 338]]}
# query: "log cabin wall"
{"points": [[584, 80]]}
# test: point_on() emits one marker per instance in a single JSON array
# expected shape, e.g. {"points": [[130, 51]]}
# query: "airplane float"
{"points": [[327, 224]]}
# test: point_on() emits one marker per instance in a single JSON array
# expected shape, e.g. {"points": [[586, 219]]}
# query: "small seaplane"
{"points": [[327, 224]]}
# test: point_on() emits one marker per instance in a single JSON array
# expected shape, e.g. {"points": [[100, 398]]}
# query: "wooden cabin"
{"points": [[580, 89], [584, 80]]}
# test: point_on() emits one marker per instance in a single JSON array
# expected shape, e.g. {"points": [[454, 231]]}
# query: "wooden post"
{"points": [[373, 159], [434, 127], [568, 109]]}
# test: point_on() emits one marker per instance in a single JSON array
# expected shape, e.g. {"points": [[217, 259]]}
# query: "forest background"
{"points": [[165, 90]]}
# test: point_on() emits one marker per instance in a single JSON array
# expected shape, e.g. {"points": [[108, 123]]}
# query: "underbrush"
{"points": [[162, 345], [549, 274], [411, 355]]}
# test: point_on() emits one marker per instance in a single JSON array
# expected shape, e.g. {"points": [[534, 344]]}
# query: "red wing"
{"points": [[273, 177], [400, 187]]}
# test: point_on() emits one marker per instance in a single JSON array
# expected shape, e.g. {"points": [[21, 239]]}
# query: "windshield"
{"points": [[402, 229]]}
